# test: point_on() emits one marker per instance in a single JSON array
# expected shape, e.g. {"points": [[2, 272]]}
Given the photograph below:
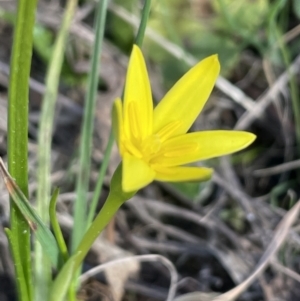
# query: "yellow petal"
{"points": [[183, 173], [138, 106], [186, 99], [197, 146], [117, 121], [136, 174]]}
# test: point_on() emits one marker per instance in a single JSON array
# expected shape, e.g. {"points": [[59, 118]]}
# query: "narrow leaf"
{"points": [[56, 228], [17, 136], [18, 264], [42, 232], [63, 280], [85, 150]]}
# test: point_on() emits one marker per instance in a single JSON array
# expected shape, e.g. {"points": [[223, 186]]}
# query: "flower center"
{"points": [[149, 147]]}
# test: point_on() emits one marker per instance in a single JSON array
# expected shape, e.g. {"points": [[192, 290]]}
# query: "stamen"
{"points": [[180, 150], [134, 120], [131, 148], [151, 145], [167, 131]]}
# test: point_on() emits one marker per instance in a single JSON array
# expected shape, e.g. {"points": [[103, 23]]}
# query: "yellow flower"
{"points": [[154, 143]]}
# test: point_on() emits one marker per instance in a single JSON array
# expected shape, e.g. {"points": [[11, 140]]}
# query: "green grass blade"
{"points": [[138, 41], [18, 136], [275, 35], [29, 214], [42, 264], [82, 185], [63, 280], [18, 265], [142, 28], [56, 228], [293, 87], [100, 180]]}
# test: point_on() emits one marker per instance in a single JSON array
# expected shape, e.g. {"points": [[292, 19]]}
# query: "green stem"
{"points": [[100, 180], [82, 185], [107, 212], [113, 202], [142, 28], [18, 138]]}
